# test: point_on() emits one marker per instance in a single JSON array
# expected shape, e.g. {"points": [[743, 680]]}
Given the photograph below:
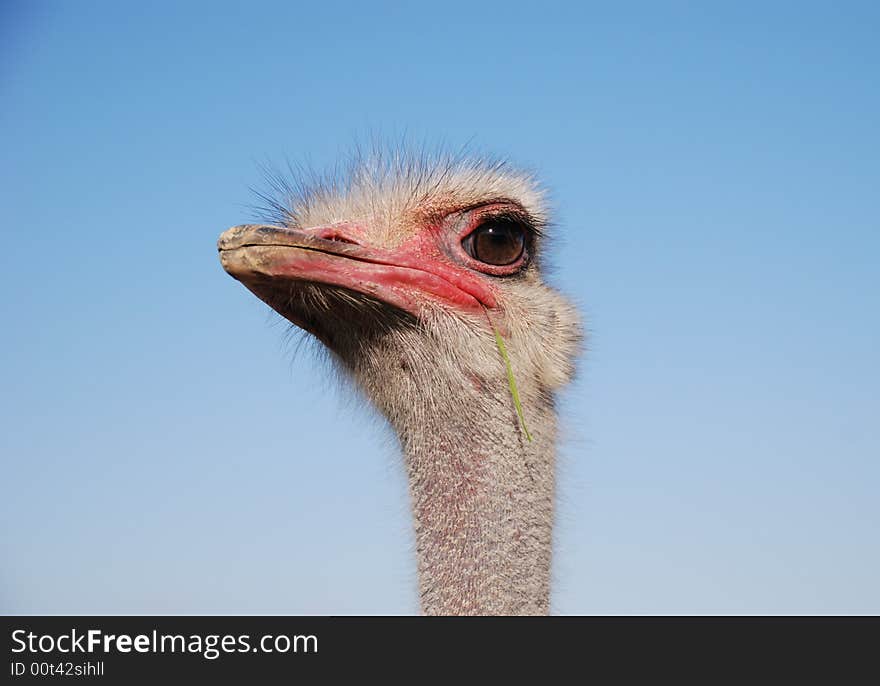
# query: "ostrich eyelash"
{"points": [[516, 216]]}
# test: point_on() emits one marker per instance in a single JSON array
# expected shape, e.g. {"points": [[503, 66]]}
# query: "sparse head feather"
{"points": [[389, 189]]}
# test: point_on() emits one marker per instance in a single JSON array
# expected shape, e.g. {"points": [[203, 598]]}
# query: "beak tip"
{"points": [[229, 237]]}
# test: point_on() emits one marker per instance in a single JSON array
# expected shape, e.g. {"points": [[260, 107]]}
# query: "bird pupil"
{"points": [[498, 243]]}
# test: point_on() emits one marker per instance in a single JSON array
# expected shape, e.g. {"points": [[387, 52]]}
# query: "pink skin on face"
{"points": [[403, 276]]}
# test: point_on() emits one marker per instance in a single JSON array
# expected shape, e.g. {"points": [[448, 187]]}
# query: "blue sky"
{"points": [[714, 173]]}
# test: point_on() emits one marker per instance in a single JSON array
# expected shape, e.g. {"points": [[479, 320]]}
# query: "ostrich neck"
{"points": [[482, 499]]}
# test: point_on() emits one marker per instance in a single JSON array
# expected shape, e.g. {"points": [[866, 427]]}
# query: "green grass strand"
{"points": [[511, 382]]}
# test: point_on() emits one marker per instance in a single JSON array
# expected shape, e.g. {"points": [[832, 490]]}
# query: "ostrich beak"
{"points": [[270, 260]]}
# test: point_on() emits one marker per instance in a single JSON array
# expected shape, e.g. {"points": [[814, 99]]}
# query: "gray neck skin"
{"points": [[483, 511], [482, 499]]}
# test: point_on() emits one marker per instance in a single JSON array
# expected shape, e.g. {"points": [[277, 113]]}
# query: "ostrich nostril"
{"points": [[340, 239], [337, 234]]}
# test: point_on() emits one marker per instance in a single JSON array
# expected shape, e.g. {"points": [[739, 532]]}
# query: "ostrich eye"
{"points": [[497, 241]]}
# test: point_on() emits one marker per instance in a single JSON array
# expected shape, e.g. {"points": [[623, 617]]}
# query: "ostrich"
{"points": [[422, 276]]}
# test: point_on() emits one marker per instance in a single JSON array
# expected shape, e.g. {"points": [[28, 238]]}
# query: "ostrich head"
{"points": [[406, 269]]}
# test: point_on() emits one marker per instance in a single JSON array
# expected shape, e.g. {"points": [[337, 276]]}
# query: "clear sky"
{"points": [[715, 172]]}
